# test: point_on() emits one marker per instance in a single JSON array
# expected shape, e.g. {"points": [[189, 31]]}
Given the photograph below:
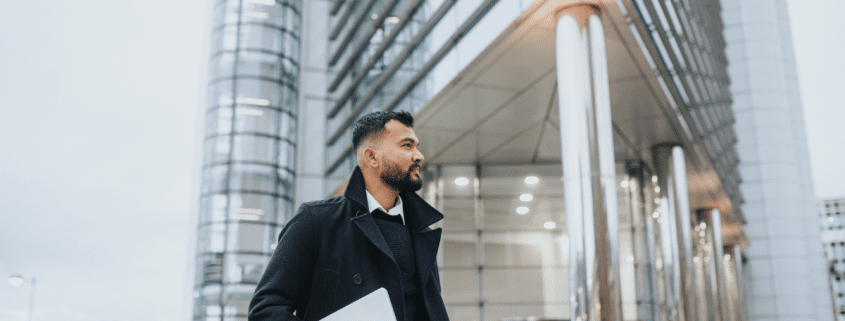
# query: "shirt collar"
{"points": [[397, 209]]}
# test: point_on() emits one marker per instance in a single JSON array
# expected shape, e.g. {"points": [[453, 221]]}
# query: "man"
{"points": [[376, 235]]}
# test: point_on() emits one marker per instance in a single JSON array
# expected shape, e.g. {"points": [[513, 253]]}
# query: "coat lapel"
{"points": [[419, 215], [426, 244], [367, 225]]}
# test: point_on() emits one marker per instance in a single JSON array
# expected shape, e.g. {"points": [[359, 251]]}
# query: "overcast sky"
{"points": [[99, 106]]}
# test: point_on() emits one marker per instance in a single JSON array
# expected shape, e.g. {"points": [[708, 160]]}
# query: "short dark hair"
{"points": [[373, 124]]}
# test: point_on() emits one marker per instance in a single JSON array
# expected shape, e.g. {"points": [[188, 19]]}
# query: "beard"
{"points": [[400, 180]]}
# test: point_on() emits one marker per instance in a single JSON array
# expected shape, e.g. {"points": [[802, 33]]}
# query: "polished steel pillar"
{"points": [[722, 295], [643, 240], [589, 172], [670, 166], [739, 285]]}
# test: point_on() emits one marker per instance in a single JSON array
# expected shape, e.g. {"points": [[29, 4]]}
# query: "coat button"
{"points": [[357, 279]]}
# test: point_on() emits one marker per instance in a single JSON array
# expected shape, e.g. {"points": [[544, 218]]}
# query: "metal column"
{"points": [[643, 241], [589, 172], [670, 166], [721, 287]]}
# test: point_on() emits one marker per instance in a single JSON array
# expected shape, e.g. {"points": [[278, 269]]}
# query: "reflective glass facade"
{"points": [[249, 150], [407, 51], [832, 220]]}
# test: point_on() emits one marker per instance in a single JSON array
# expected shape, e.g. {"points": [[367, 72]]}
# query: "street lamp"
{"points": [[17, 280]]}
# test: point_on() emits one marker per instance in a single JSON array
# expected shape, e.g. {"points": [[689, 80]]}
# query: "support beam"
{"points": [[589, 171], [670, 165]]}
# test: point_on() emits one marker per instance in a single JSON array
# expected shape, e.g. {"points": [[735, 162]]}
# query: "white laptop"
{"points": [[375, 306]]}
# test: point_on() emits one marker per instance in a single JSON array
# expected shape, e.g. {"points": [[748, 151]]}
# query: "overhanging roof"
{"points": [[502, 108]]}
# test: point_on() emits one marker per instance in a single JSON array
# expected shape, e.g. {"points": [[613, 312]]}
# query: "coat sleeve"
{"points": [[286, 284]]}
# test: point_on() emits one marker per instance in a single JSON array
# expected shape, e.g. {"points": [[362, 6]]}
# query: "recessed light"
{"points": [[526, 197], [531, 180], [549, 225], [624, 183], [522, 210], [461, 181]]}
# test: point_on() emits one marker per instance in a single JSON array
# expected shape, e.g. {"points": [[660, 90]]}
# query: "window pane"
{"points": [[212, 238], [217, 150], [258, 37], [460, 286], [220, 94], [218, 121], [213, 208], [252, 208], [259, 92], [221, 65], [259, 64], [251, 177], [214, 179], [224, 39], [254, 149], [256, 119]]}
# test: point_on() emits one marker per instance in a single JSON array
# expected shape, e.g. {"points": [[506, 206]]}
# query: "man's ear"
{"points": [[370, 157]]}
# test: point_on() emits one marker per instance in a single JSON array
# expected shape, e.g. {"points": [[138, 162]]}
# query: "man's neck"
{"points": [[384, 195]]}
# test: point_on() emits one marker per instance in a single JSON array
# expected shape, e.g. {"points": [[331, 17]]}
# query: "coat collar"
{"points": [[418, 213]]}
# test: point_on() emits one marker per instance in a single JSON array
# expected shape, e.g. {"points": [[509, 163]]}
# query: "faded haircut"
{"points": [[372, 124]]}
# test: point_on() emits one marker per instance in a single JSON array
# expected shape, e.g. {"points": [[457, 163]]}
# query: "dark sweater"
{"points": [[399, 241]]}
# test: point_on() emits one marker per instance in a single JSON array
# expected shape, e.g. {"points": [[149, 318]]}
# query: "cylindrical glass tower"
{"points": [[250, 142]]}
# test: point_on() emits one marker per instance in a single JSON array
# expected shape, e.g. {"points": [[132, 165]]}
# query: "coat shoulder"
{"points": [[323, 211]]}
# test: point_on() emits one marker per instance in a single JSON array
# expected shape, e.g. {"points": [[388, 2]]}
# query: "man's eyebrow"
{"points": [[410, 139]]}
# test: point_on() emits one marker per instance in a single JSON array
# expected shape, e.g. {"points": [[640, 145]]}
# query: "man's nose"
{"points": [[418, 157]]}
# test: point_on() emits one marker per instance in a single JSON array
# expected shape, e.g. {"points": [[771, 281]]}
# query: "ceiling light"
{"points": [[392, 19], [624, 183], [374, 16], [549, 225], [461, 181], [655, 215], [526, 197], [15, 280], [657, 189], [654, 179], [830, 219], [531, 180], [522, 210]]}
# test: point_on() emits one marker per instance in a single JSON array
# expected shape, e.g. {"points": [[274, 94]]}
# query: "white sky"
{"points": [[99, 105]]}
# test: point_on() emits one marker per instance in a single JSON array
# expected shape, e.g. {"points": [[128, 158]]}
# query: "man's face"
{"points": [[400, 161]]}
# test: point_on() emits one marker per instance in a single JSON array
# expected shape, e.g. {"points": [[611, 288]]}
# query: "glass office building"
{"points": [[584, 153], [249, 152], [832, 221]]}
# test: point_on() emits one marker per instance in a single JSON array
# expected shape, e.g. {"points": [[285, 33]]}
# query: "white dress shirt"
{"points": [[397, 209]]}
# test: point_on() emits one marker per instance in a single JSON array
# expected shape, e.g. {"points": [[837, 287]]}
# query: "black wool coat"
{"points": [[332, 253]]}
